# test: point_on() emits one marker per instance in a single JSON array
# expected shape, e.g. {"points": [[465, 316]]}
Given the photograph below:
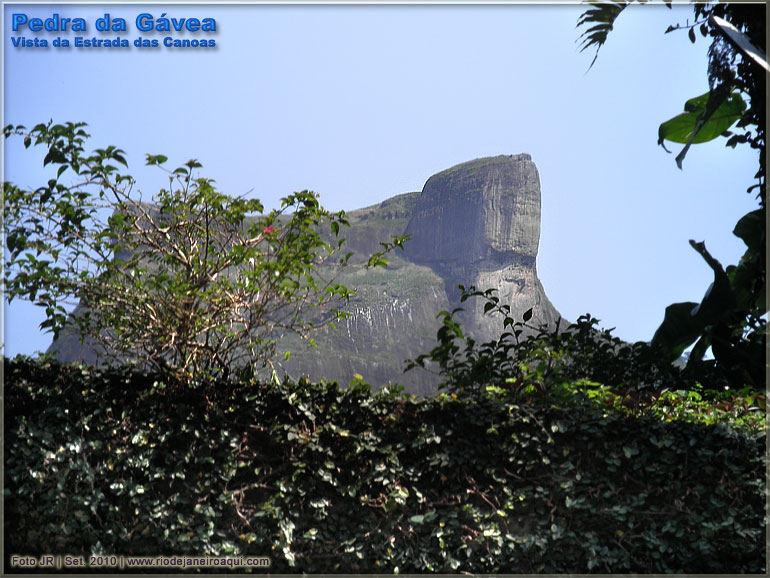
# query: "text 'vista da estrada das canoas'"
{"points": [[37, 28]]}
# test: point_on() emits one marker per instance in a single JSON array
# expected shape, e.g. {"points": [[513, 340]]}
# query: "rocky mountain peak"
{"points": [[478, 216], [478, 223]]}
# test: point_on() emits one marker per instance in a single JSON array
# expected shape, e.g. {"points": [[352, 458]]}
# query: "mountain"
{"points": [[477, 223]]}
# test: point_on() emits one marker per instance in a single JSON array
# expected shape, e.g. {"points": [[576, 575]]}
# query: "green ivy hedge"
{"points": [[328, 480]]}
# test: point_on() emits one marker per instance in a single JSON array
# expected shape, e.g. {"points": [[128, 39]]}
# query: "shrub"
{"points": [[326, 480], [526, 359]]}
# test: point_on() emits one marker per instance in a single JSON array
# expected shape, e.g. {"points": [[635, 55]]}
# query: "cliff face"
{"points": [[479, 224], [480, 215], [475, 224]]}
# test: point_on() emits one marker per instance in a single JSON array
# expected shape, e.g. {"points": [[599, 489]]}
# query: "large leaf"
{"points": [[686, 322], [704, 118], [680, 328]]}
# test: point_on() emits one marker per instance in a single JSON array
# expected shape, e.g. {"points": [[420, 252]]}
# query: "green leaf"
{"points": [[156, 159], [686, 322], [704, 118]]}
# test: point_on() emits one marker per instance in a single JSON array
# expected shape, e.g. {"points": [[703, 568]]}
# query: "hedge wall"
{"points": [[328, 480]]}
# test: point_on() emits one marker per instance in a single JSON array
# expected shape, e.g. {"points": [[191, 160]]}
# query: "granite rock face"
{"points": [[477, 223], [479, 215]]}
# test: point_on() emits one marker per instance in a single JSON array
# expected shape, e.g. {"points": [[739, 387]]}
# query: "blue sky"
{"points": [[363, 102]]}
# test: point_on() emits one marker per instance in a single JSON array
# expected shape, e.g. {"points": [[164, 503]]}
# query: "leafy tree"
{"points": [[194, 283], [729, 319]]}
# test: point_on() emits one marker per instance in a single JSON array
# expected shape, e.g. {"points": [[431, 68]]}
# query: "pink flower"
{"points": [[268, 230]]}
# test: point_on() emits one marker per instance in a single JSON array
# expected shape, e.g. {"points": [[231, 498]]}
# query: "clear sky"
{"points": [[363, 102]]}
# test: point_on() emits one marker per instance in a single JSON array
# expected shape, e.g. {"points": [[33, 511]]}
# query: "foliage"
{"points": [[600, 19], [193, 284], [526, 359], [689, 128], [741, 409], [730, 318], [325, 480]]}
